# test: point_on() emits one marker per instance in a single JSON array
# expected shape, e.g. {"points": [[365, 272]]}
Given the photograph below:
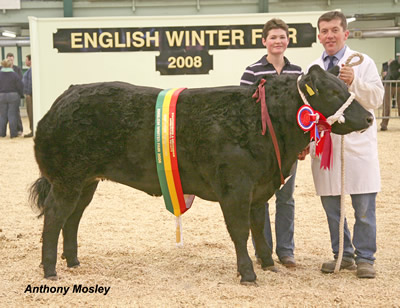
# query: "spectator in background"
{"points": [[392, 90], [27, 80], [18, 70], [11, 90], [385, 68]]}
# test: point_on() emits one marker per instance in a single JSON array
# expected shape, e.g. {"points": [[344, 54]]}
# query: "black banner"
{"points": [[183, 50]]}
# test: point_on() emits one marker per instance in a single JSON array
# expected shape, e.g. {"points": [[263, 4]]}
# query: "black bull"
{"points": [[106, 131]]}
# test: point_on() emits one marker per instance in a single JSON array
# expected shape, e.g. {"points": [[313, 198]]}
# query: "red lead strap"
{"points": [[266, 120]]}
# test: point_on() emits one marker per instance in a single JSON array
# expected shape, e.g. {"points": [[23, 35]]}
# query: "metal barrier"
{"points": [[390, 109]]}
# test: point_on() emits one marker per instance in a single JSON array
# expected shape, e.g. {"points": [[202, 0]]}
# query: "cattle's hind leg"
{"points": [[70, 229], [59, 205], [257, 222]]}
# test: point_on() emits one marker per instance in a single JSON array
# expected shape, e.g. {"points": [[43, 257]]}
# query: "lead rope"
{"points": [[342, 196]]}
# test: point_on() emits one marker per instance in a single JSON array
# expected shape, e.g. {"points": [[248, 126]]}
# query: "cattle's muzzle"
{"points": [[370, 121]]}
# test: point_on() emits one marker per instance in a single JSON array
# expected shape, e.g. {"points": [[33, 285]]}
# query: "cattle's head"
{"points": [[327, 93]]}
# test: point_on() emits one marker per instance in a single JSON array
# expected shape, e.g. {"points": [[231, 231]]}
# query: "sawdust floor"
{"points": [[126, 243]]}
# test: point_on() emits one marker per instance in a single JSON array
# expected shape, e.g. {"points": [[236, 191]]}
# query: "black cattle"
{"points": [[106, 131]]}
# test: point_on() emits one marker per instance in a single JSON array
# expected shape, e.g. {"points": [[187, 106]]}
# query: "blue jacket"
{"points": [[27, 80], [10, 82]]}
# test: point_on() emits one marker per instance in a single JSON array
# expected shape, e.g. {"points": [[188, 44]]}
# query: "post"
{"points": [[67, 8], [19, 56], [263, 6]]}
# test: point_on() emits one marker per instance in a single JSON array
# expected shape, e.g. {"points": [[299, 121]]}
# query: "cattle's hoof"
{"points": [[73, 263], [272, 268], [249, 283], [53, 278], [41, 265]]}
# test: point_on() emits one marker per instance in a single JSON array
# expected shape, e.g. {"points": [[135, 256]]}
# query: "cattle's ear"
{"points": [[309, 85], [334, 70]]}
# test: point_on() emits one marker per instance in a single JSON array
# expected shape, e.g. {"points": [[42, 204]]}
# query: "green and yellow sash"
{"points": [[166, 156]]}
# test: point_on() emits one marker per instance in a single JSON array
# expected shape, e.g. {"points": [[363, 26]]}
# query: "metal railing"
{"points": [[390, 109]]}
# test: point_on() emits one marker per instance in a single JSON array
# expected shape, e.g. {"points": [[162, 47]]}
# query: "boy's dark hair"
{"points": [[10, 54], [334, 15], [29, 57], [275, 23]]}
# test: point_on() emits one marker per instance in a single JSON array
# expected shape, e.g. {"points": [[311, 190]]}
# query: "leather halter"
{"points": [[259, 94]]}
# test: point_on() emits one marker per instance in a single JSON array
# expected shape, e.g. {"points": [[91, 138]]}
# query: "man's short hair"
{"points": [[29, 57], [275, 23], [10, 54], [334, 15]]}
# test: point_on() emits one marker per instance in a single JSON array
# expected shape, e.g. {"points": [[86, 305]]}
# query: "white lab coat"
{"points": [[362, 173]]}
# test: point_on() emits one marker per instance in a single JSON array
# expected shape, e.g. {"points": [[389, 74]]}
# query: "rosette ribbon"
{"points": [[315, 122]]}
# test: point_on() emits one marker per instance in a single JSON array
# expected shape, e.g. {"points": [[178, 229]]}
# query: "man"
{"points": [[18, 70], [385, 69], [362, 175], [27, 80], [392, 90]]}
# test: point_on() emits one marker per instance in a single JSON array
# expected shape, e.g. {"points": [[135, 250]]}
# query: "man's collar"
{"points": [[339, 55]]}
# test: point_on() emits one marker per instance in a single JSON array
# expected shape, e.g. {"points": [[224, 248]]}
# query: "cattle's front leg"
{"points": [[237, 222], [257, 222]]}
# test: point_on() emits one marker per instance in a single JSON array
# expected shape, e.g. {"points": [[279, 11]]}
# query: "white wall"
{"points": [[379, 49], [54, 72]]}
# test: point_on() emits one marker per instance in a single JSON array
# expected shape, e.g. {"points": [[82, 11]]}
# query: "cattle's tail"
{"points": [[38, 193]]}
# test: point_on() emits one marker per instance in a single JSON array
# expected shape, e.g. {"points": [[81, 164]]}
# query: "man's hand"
{"points": [[346, 74]]}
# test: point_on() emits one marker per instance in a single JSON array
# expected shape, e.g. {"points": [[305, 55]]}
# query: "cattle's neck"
{"points": [[283, 101]]}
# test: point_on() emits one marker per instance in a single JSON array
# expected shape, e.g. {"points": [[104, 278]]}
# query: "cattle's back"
{"points": [[99, 122], [92, 122]]}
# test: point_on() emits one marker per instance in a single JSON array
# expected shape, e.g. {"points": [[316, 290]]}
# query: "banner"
{"points": [[183, 50]]}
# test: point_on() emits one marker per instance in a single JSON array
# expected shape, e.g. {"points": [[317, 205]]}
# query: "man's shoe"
{"points": [[28, 135], [329, 267], [288, 261], [365, 270]]}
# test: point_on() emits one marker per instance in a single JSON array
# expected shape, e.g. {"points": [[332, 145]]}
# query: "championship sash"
{"points": [[166, 156]]}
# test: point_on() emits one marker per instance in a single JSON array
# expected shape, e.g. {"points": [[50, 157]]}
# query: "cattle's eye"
{"points": [[335, 93]]}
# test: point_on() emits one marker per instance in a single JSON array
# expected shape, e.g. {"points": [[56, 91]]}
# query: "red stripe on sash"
{"points": [[173, 154]]}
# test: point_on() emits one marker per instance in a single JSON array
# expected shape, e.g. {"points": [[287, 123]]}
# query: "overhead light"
{"points": [[351, 19], [8, 33]]}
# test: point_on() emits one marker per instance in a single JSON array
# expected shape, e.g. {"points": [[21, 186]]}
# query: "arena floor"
{"points": [[127, 244]]}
